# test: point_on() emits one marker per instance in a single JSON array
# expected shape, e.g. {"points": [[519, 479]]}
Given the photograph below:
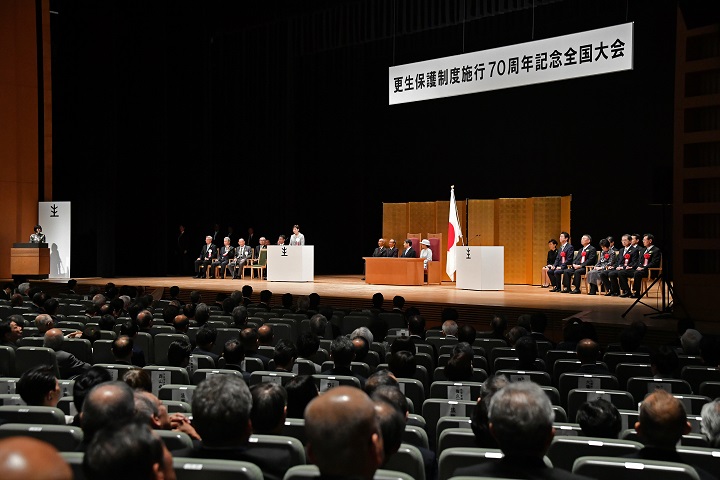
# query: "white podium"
{"points": [[287, 263], [480, 268]]}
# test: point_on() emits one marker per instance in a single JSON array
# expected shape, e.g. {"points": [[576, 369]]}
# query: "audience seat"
{"points": [[695, 375], [416, 436], [565, 450], [102, 352], [11, 399], [626, 371], [710, 389], [578, 396], [80, 347], [639, 387], [567, 429], [433, 409], [450, 390], [116, 370], [451, 459], [7, 360], [65, 438], [200, 374], [260, 376], [177, 393], [706, 458], [407, 459], [176, 406], [413, 390], [161, 375], [295, 427], [67, 405], [281, 443], [693, 403], [325, 382], [7, 384], [513, 363], [310, 472], [637, 469], [612, 359], [552, 355], [161, 343], [31, 414], [28, 357], [202, 469], [479, 375], [75, 460], [570, 381], [454, 438], [542, 378]]}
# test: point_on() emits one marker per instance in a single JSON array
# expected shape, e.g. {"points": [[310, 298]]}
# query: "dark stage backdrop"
{"points": [[272, 113]]}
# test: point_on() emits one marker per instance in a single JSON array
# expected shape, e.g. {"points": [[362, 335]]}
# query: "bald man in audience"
{"points": [[68, 364], [356, 449], [26, 458], [108, 404], [588, 352], [661, 424]]}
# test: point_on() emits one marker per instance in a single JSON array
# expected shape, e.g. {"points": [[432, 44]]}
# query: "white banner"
{"points": [[559, 58], [55, 221]]}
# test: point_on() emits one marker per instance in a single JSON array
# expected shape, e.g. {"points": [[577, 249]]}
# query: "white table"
{"points": [[480, 268], [287, 263]]}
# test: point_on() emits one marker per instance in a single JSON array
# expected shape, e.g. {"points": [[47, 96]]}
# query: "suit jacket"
{"points": [[226, 253], [257, 250], [569, 252], [590, 257], [391, 252], [243, 252], [212, 355], [380, 252], [654, 256], [632, 263], [533, 468], [409, 254], [69, 365], [208, 248]]}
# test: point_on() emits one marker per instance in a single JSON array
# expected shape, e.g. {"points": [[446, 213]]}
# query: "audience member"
{"points": [[498, 326], [515, 333], [588, 352], [239, 316], [107, 405], [265, 335], [710, 422], [342, 354], [308, 345], [538, 326], [250, 343], [403, 364], [361, 347], [234, 356], [527, 353], [301, 390], [450, 329], [356, 449], [479, 424], [661, 424], [467, 334], [460, 365], [68, 364], [10, 333], [27, 458], [179, 353], [205, 340], [318, 325], [665, 363], [599, 418], [521, 421], [38, 386], [181, 323], [285, 355], [380, 378], [392, 426], [130, 451], [138, 379], [122, 349], [221, 407], [269, 408], [690, 342]]}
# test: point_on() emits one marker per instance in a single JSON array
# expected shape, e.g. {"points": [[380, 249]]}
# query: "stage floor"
{"points": [[475, 307]]}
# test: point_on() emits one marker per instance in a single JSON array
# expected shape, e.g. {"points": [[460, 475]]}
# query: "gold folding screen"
{"points": [[522, 225]]}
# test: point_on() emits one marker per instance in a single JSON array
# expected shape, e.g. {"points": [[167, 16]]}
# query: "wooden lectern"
{"points": [[30, 260]]}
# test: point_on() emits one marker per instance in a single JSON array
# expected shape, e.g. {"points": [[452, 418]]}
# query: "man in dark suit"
{"points": [[380, 250], [616, 276], [562, 261], [205, 340], [342, 354], [227, 253], [521, 420], [408, 251], [251, 342], [392, 251], [221, 416], [588, 352], [649, 257], [234, 355], [208, 253], [587, 257], [68, 364]]}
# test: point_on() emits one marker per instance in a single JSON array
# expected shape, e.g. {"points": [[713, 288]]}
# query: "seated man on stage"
{"points": [[227, 252], [392, 251], [380, 251], [607, 258], [262, 244], [586, 258], [208, 253], [563, 259], [648, 258], [615, 277], [242, 254], [408, 251]]}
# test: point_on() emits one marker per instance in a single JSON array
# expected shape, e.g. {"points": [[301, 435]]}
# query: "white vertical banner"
{"points": [[54, 218]]}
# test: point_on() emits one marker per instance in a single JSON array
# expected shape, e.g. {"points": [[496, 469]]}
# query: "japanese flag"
{"points": [[454, 235]]}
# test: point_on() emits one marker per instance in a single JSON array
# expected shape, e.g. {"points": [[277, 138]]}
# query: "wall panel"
{"points": [[515, 233]]}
